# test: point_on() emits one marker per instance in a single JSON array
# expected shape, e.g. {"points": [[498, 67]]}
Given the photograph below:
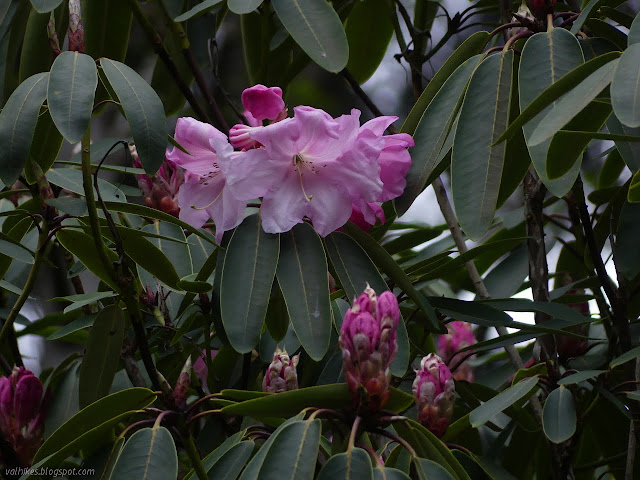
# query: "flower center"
{"points": [[299, 162]]}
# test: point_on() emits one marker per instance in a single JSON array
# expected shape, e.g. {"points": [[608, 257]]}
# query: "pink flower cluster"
{"points": [[22, 412], [310, 165], [368, 341], [434, 391], [460, 335]]}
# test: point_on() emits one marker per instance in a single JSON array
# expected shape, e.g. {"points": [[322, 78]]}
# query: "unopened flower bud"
{"points": [[160, 191], [263, 102], [434, 391], [460, 335], [281, 375], [182, 385], [368, 342], [22, 412], [239, 137], [76, 30], [201, 369], [52, 35]]}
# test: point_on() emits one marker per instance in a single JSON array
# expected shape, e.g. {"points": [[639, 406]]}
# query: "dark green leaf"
{"points": [[18, 121], [316, 27], [102, 354], [500, 402], [301, 441], [634, 32], [432, 130], [324, 396], [144, 111], [97, 416], [71, 179], [243, 6], [249, 267], [430, 470], [470, 47], [70, 93], [625, 87], [580, 377], [628, 247], [476, 162], [369, 30], [149, 454], [46, 145], [629, 151], [231, 463], [354, 464], [106, 28], [625, 357], [633, 196], [82, 246]]}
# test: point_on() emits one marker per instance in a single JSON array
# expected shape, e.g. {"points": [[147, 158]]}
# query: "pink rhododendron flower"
{"points": [[262, 103], [316, 165], [394, 162], [434, 391], [460, 335], [160, 191], [22, 412], [205, 195], [365, 223], [368, 340]]}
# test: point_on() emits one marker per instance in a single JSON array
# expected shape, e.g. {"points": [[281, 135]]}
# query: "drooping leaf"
{"points": [[634, 32], [144, 111], [18, 121], [35, 56], [580, 377], [369, 30], [249, 268], [229, 465], [106, 28], [102, 354], [559, 415], [316, 27], [432, 130], [430, 470], [243, 6], [302, 276], [71, 179], [476, 163], [539, 69], [625, 357], [629, 151], [70, 93], [46, 145], [149, 454]]}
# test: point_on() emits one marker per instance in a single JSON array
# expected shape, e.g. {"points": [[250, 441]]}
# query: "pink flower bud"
{"points": [[22, 412], [52, 35], [434, 391], [182, 385], [240, 137], [27, 398], [160, 191], [368, 343], [460, 335], [200, 367], [263, 102], [76, 30], [281, 375]]}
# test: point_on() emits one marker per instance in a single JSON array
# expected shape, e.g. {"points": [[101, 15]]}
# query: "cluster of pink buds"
{"points": [[434, 391], [460, 335], [368, 341], [281, 376], [309, 166], [22, 412], [160, 191]]}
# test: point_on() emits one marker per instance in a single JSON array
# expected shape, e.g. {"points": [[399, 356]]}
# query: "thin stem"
{"points": [[203, 414], [194, 455], [354, 432], [398, 440], [7, 327]]}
